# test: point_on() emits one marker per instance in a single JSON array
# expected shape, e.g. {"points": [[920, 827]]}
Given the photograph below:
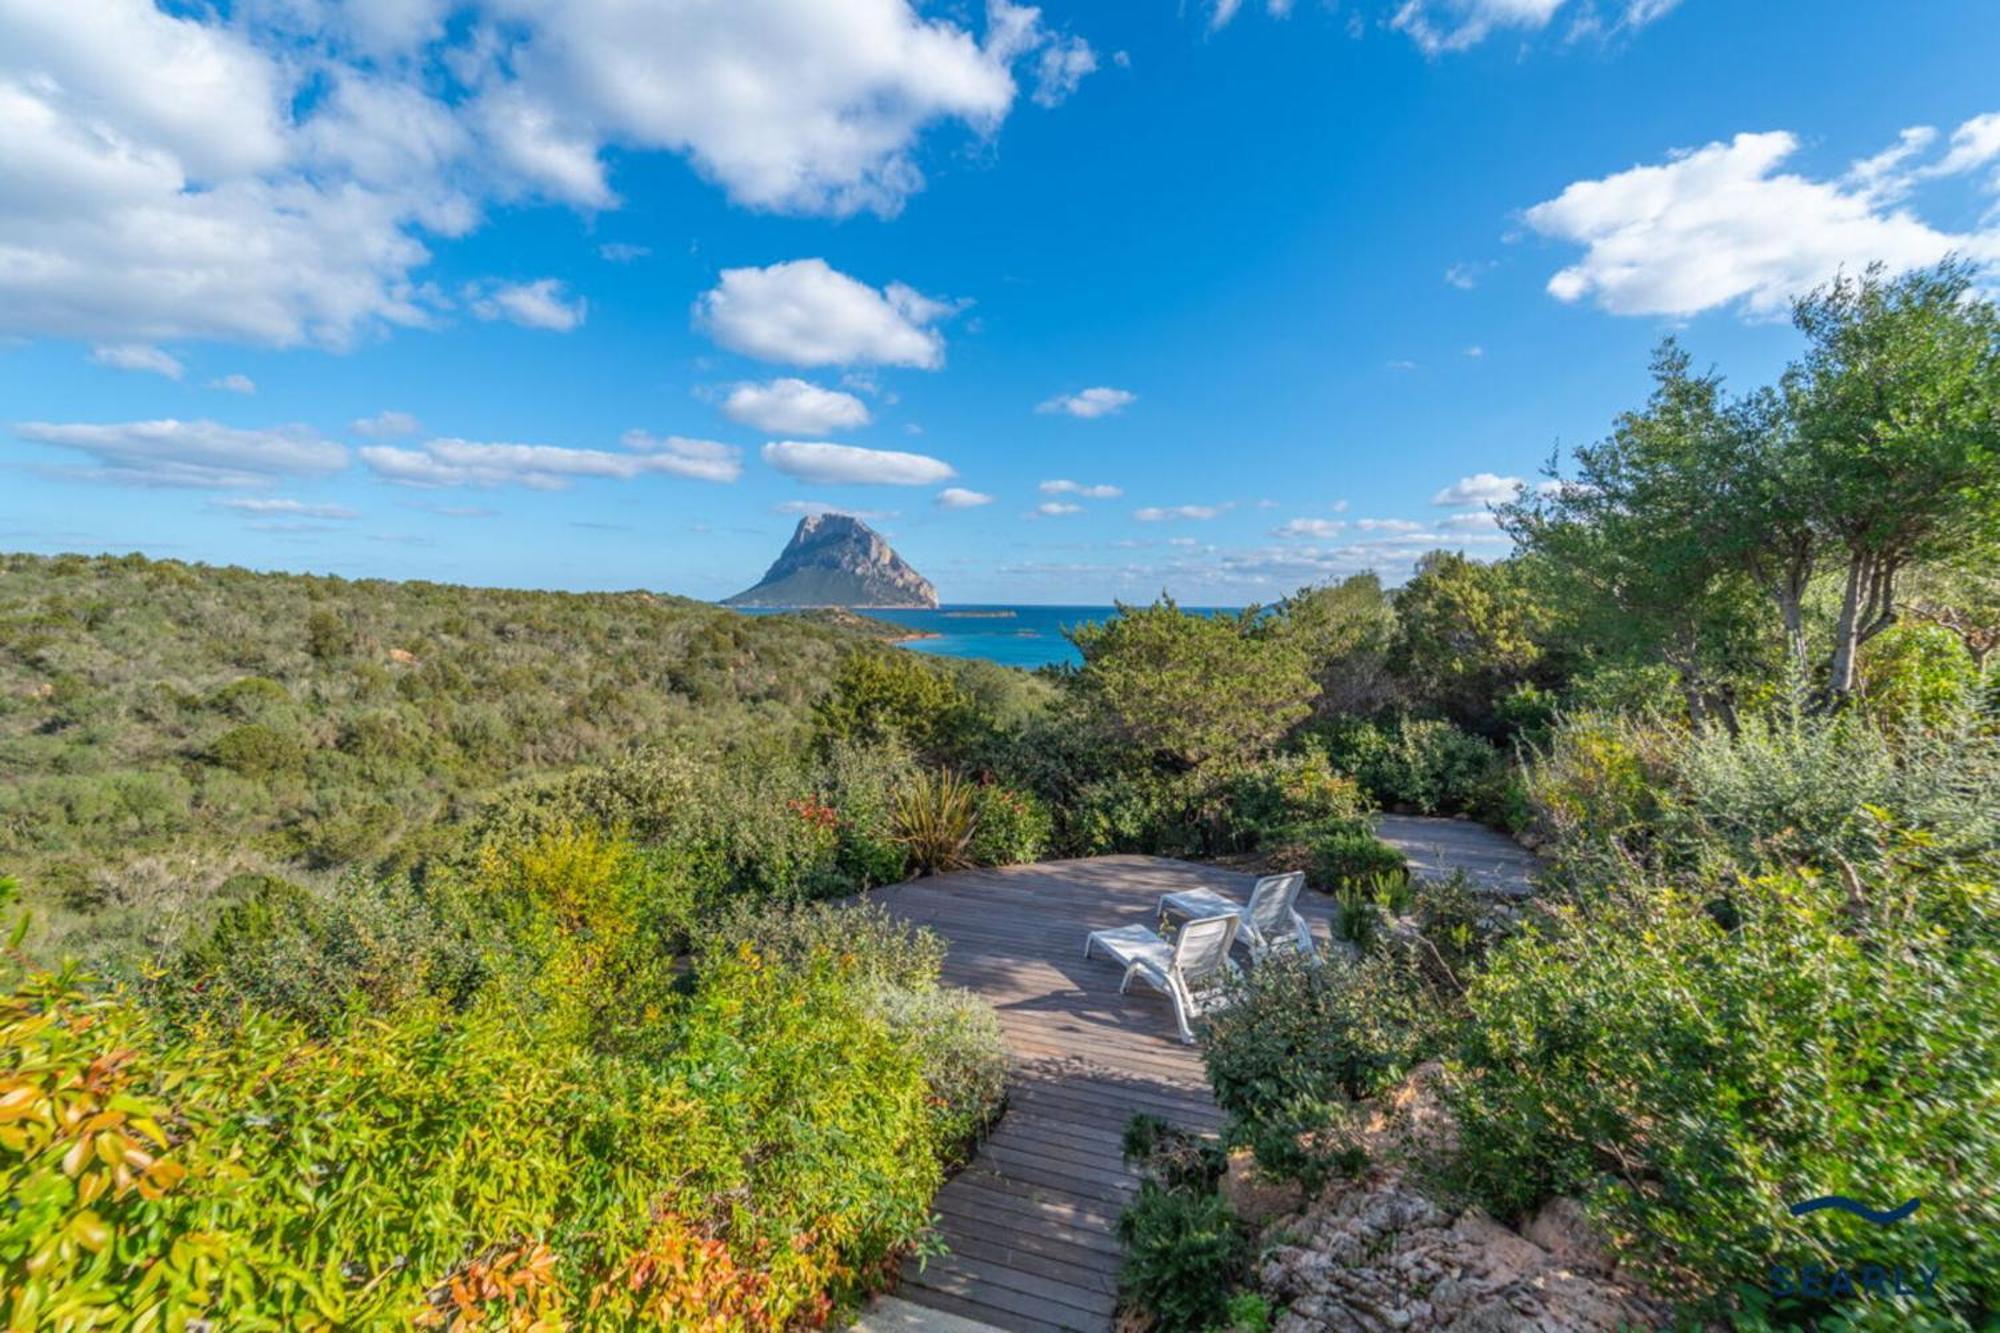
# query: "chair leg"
{"points": [[1181, 1017], [1087, 942], [1126, 984]]}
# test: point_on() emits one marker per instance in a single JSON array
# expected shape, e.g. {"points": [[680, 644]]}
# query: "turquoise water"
{"points": [[1015, 636]]}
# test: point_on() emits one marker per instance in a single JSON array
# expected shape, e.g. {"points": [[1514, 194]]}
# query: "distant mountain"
{"points": [[836, 560]]}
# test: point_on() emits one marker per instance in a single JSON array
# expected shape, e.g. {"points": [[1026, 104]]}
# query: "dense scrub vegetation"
{"points": [[469, 961], [1743, 661]]}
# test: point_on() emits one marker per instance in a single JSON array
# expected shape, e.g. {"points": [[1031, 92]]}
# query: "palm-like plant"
{"points": [[934, 815]]}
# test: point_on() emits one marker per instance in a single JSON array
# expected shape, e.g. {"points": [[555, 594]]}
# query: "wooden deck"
{"points": [[1031, 1223]]}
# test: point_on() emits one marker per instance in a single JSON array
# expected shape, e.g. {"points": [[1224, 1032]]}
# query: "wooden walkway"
{"points": [[1030, 1224]]}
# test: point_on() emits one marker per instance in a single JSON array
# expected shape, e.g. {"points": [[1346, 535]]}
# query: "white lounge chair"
{"points": [[1270, 921], [1190, 970]]}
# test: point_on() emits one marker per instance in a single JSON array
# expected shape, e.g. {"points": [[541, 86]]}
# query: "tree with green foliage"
{"points": [[1345, 630], [883, 696], [1878, 454], [1635, 554], [1466, 632], [1187, 691], [1893, 456]]}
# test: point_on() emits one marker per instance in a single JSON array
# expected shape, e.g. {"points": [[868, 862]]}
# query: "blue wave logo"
{"points": [[1881, 1217]]}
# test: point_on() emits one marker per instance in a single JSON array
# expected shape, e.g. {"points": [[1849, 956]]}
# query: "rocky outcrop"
{"points": [[1378, 1252], [837, 560]]}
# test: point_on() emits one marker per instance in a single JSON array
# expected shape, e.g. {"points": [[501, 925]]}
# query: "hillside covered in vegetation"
{"points": [[466, 958]]}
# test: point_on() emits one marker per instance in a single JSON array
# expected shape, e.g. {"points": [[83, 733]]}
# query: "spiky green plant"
{"points": [[935, 814]]}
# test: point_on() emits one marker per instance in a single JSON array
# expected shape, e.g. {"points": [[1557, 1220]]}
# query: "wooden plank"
{"points": [[1030, 1223]]}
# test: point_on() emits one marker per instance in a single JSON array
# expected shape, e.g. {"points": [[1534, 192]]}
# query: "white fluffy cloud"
{"points": [[1100, 491], [239, 383], [806, 313], [1159, 514], [1722, 225], [387, 425], [453, 462], [794, 407], [849, 465], [542, 304], [137, 356], [265, 508], [1088, 403], [794, 105], [958, 497], [189, 453], [1477, 489], [1057, 508], [271, 173]]}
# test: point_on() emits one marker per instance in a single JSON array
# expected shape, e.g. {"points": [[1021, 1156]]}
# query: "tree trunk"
{"points": [[1867, 607]]}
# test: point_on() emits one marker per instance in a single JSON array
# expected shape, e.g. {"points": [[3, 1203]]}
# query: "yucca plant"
{"points": [[935, 814]]}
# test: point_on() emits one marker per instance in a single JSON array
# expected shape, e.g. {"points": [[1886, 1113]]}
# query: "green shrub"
{"points": [[1356, 858], [1297, 1033], [312, 958], [1917, 675], [887, 696], [460, 1169], [1134, 812], [895, 966], [1184, 1250], [1424, 764], [1293, 798], [1010, 827], [862, 781], [1787, 787], [934, 814], [258, 751], [1690, 1081], [957, 1039]]}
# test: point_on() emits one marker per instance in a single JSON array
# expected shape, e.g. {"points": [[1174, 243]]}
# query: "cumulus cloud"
{"points": [[1722, 225], [387, 425], [1100, 491], [794, 406], [202, 454], [849, 465], [1479, 520], [242, 384], [274, 172], [1159, 514], [806, 313], [958, 497], [265, 507], [791, 105], [1322, 528], [1088, 403], [548, 467], [623, 252], [1479, 488], [1395, 527], [137, 356], [1057, 508], [541, 304]]}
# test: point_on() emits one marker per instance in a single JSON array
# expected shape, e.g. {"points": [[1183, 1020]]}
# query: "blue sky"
{"points": [[601, 295]]}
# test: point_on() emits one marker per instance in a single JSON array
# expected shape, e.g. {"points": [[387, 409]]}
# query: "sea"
{"points": [[1017, 636]]}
